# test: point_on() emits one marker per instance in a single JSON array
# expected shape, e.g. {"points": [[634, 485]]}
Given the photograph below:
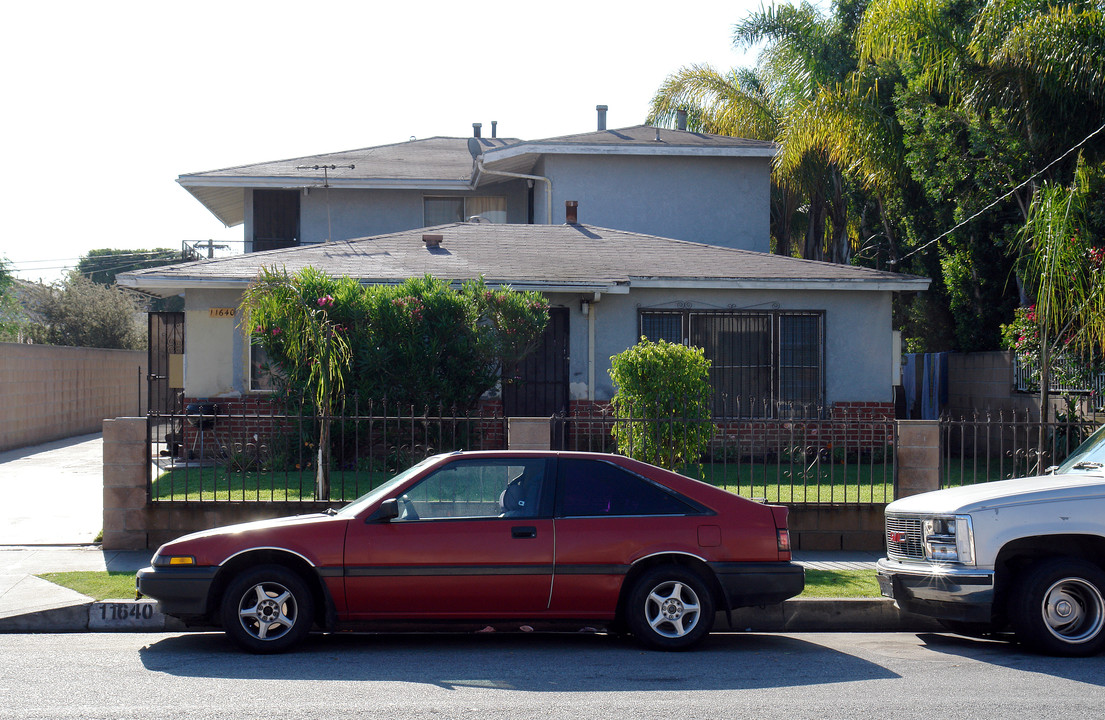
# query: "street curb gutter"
{"points": [[801, 615]]}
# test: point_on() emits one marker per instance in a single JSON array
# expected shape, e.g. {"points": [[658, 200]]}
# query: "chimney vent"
{"points": [[432, 240], [680, 119], [571, 212], [494, 128], [476, 129], [602, 116]]}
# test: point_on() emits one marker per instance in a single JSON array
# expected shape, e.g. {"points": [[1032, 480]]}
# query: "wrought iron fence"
{"points": [[802, 458], [262, 450], [1005, 445]]}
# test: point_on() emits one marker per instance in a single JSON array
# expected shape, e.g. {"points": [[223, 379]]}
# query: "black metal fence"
{"points": [[257, 450], [803, 457], [262, 451], [1004, 445]]}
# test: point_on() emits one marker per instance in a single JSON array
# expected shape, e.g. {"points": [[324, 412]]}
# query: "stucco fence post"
{"points": [[918, 457], [126, 457]]}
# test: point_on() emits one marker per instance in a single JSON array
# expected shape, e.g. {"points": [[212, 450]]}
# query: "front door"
{"points": [[538, 386]]}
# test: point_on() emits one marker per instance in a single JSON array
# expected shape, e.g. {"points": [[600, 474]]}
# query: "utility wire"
{"points": [[1004, 197]]}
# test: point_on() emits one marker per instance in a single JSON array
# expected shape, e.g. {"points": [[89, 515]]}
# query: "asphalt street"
{"points": [[796, 676]]}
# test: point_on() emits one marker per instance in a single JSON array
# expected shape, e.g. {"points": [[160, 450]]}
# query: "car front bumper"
{"points": [[179, 591], [753, 584], [947, 592]]}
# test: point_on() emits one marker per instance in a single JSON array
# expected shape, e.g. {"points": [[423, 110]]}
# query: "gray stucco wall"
{"points": [[720, 201], [363, 213], [858, 339]]}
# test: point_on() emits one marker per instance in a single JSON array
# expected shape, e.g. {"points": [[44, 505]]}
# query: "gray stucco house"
{"points": [[671, 242]]}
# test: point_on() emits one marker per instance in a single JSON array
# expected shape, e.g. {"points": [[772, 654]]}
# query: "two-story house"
{"points": [[670, 241]]}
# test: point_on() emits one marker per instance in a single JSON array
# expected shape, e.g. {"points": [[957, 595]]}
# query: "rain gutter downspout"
{"points": [[547, 181]]}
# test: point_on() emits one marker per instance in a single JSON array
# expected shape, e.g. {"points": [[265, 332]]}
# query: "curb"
{"points": [[803, 615], [94, 616]]}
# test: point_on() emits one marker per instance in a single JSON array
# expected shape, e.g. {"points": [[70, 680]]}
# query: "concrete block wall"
{"points": [[52, 392]]}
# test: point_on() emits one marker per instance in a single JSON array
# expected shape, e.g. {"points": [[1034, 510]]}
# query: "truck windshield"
{"points": [[1087, 457]]}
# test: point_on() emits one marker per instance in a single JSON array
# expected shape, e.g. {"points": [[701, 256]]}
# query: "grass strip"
{"points": [[819, 583], [96, 584]]}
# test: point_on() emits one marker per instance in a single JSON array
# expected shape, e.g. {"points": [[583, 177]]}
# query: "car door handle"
{"points": [[526, 531]]}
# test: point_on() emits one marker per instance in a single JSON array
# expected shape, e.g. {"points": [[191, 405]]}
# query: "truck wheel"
{"points": [[670, 608], [1058, 608], [267, 609]]}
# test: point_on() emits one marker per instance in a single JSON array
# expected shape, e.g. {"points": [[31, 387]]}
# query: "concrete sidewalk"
{"points": [[45, 532]]}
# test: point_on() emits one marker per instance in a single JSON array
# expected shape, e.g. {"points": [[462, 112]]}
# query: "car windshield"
{"points": [[1087, 457], [379, 493]]}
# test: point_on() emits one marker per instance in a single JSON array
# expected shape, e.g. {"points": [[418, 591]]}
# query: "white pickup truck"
{"points": [[1026, 555]]}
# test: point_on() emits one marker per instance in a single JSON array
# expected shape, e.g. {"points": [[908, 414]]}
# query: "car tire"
{"points": [[267, 609], [670, 608], [1058, 607]]}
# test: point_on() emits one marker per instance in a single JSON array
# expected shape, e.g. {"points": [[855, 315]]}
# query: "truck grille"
{"points": [[903, 538]]}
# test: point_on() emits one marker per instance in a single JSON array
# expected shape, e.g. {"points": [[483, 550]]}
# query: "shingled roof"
{"points": [[550, 258]]}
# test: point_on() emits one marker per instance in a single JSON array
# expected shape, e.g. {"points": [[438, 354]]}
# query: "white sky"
{"points": [[107, 103]]}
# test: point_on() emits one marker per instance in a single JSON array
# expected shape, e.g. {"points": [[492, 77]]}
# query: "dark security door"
{"points": [[538, 386]]}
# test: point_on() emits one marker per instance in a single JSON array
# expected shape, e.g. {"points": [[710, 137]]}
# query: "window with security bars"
{"points": [[760, 362]]}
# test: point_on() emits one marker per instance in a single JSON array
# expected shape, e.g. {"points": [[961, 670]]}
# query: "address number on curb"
{"points": [[125, 615], [126, 611]]}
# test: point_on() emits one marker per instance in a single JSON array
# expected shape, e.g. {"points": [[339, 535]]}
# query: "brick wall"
{"points": [[50, 392]]}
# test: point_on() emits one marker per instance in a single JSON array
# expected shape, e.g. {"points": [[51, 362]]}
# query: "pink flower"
{"points": [[276, 331], [326, 301]]}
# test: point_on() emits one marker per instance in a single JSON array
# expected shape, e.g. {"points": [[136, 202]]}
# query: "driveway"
{"points": [[53, 494]]}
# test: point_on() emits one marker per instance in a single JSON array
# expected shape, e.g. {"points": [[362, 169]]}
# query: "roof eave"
{"points": [[661, 148], [904, 285]]}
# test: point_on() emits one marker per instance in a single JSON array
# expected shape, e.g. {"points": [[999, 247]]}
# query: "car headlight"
{"points": [[949, 539]]}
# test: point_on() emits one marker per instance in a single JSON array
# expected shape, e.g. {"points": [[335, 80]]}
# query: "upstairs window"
{"points": [[762, 363], [443, 210]]}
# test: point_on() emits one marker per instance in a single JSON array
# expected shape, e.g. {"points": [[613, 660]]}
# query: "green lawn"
{"points": [[819, 583], [216, 484]]}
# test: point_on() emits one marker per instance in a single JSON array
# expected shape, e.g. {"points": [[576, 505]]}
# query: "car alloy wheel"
{"points": [[670, 608], [267, 609]]}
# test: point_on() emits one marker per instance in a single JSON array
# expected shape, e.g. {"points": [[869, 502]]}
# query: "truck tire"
{"points": [[1058, 607]]}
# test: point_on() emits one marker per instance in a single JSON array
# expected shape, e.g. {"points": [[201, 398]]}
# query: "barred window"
{"points": [[761, 362]]}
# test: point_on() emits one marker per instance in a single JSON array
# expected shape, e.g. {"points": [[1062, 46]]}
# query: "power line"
{"points": [[1001, 199]]}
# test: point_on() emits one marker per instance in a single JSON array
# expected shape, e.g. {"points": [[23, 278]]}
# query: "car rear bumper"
{"points": [[939, 591], [179, 591], [752, 584]]}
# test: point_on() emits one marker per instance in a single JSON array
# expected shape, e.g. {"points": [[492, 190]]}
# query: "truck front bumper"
{"points": [[946, 592]]}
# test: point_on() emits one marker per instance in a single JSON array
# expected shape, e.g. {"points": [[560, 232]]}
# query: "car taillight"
{"points": [[783, 537]]}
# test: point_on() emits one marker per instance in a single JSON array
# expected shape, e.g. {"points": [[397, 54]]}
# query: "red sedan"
{"points": [[499, 539]]}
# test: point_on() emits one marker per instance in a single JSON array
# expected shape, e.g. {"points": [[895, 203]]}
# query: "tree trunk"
{"points": [[322, 468]]}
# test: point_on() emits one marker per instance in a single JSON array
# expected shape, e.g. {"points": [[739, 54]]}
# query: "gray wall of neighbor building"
{"points": [[364, 213], [719, 201]]}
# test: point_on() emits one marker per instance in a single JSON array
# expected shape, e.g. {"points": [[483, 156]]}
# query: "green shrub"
{"points": [[662, 403]]}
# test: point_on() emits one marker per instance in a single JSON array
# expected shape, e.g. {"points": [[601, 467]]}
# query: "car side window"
{"points": [[588, 488], [479, 488]]}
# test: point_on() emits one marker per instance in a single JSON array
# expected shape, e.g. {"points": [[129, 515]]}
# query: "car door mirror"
{"points": [[388, 511]]}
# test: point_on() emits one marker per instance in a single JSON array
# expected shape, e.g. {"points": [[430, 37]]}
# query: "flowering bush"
{"points": [[422, 342]]}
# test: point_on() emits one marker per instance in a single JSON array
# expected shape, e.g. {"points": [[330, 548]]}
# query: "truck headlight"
{"points": [[949, 539]]}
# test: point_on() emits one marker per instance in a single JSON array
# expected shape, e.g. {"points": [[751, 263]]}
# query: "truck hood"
{"points": [[1003, 493]]}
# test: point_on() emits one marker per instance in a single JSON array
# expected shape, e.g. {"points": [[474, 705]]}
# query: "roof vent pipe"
{"points": [[680, 119], [432, 240], [494, 128], [476, 129], [602, 116], [571, 212]]}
